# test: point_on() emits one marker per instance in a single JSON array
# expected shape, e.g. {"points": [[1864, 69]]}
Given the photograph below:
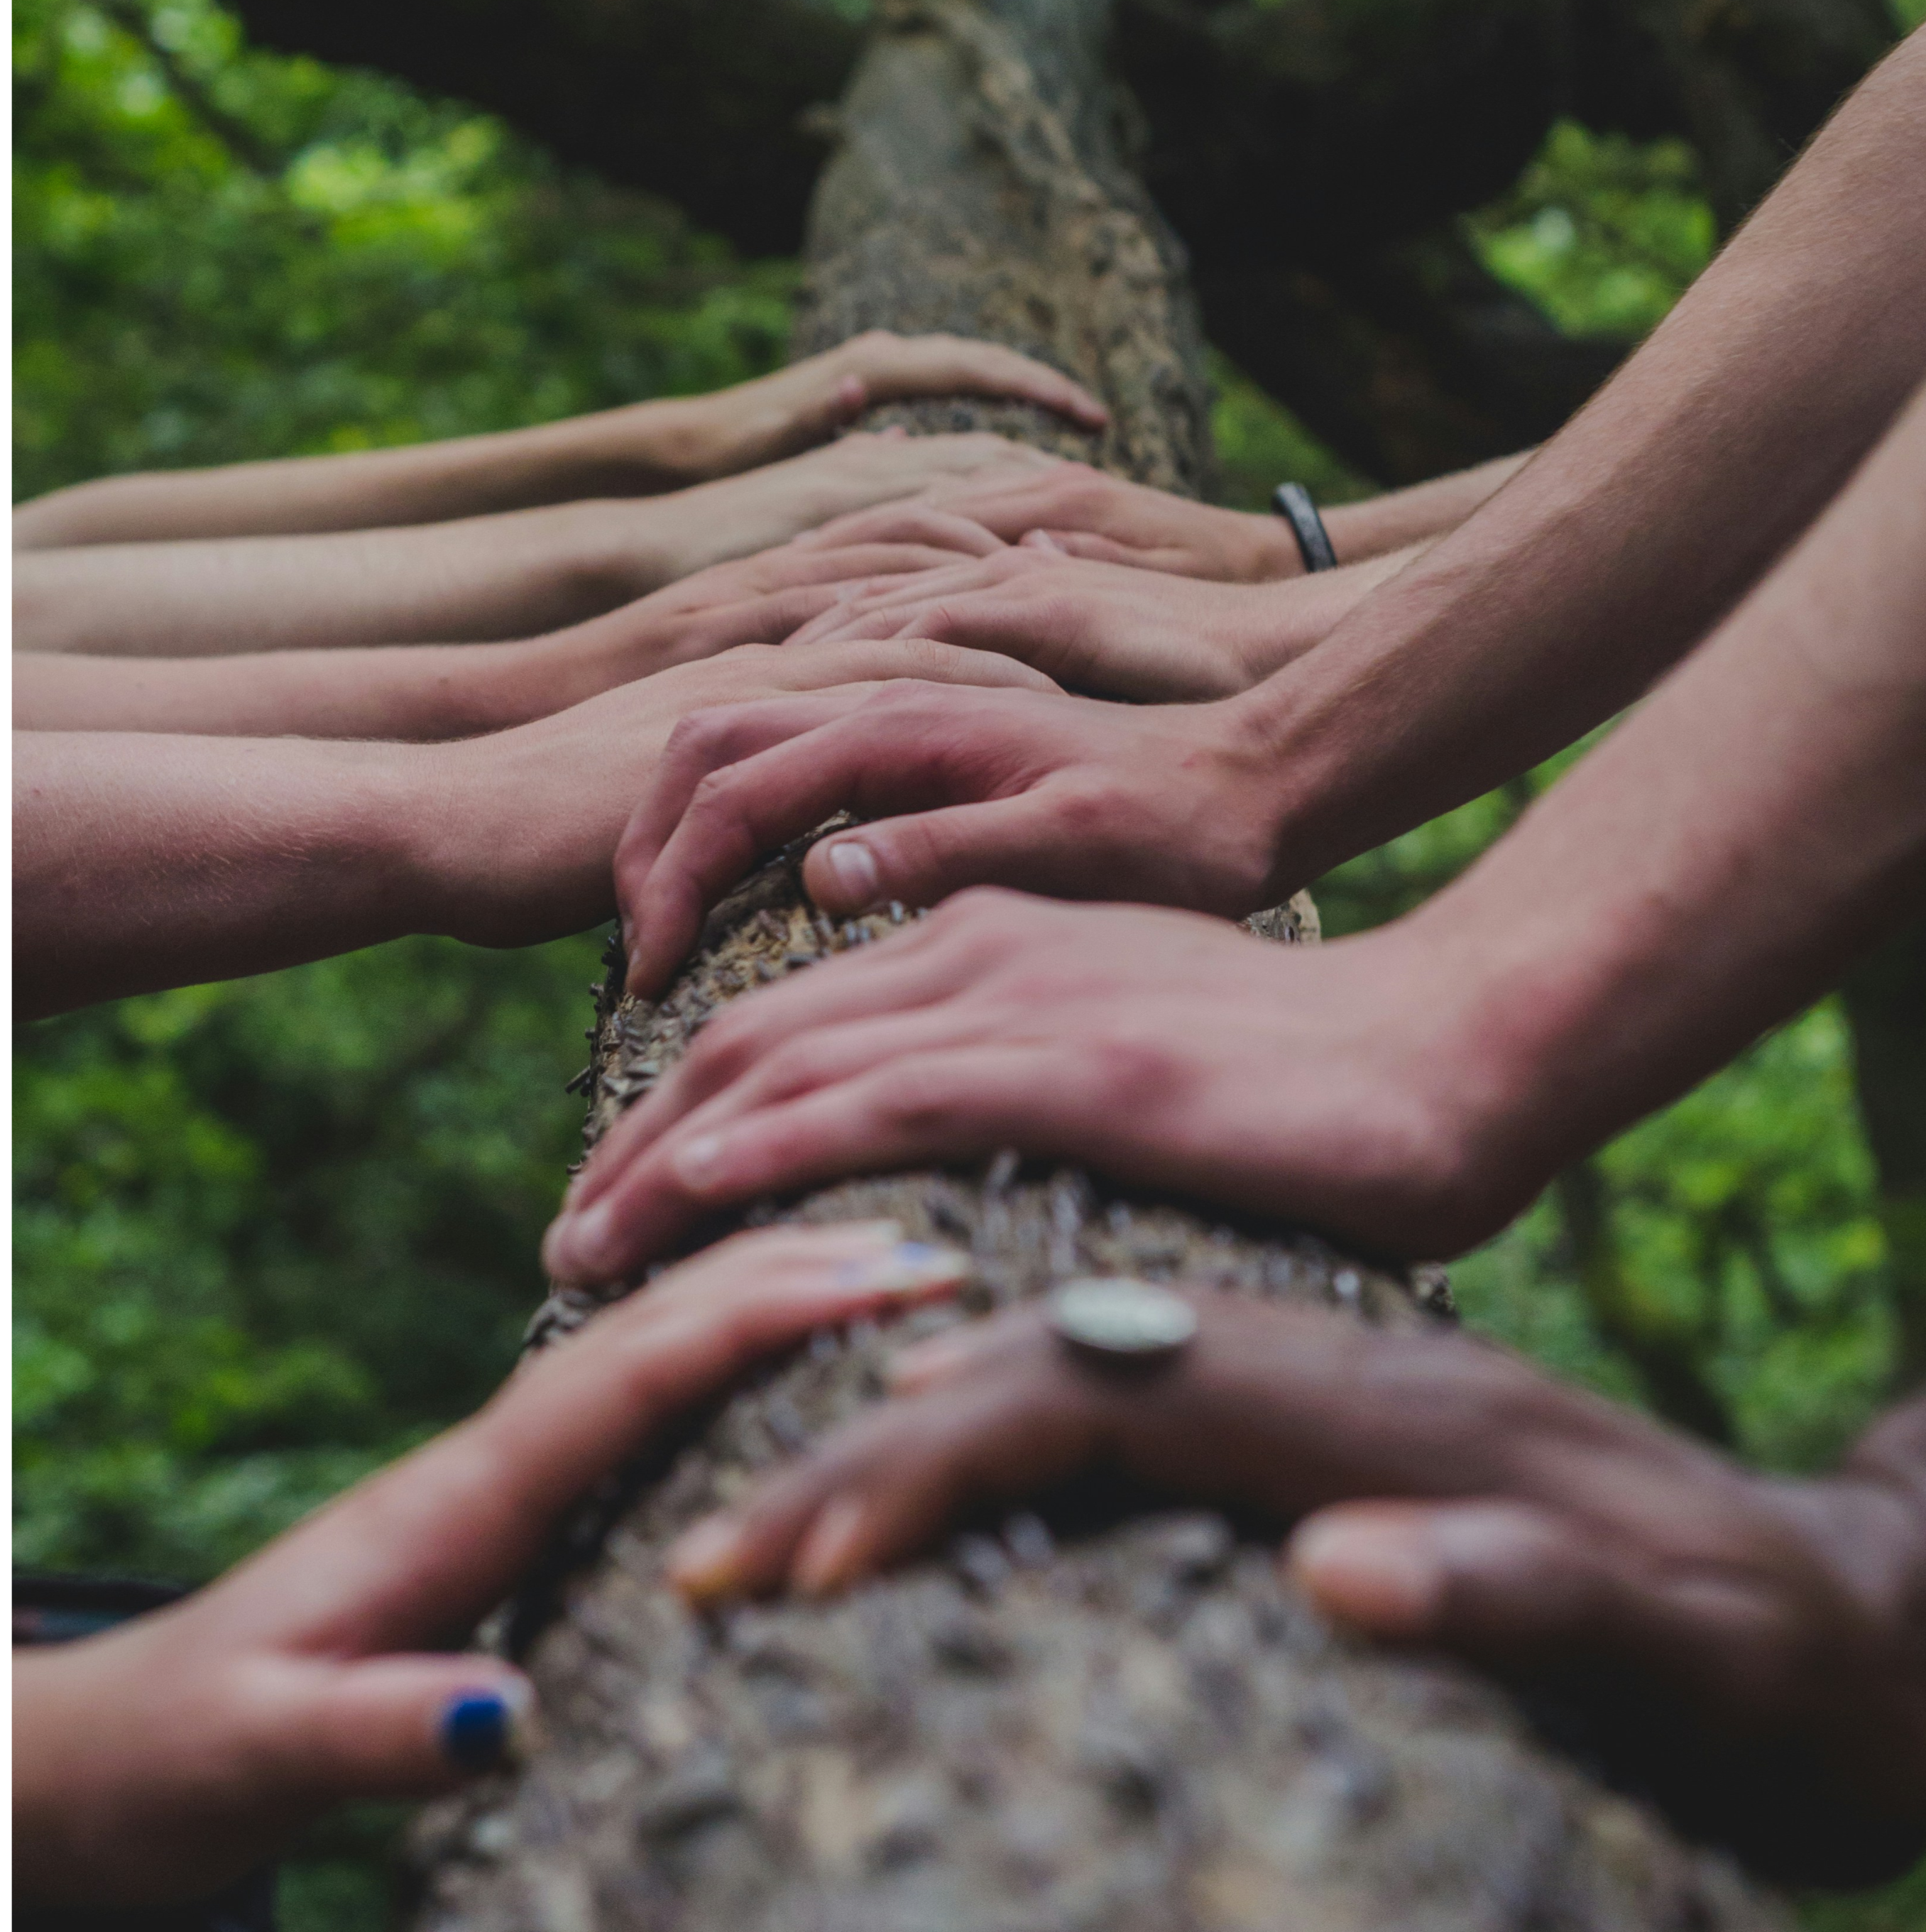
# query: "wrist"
{"points": [[1268, 548]]}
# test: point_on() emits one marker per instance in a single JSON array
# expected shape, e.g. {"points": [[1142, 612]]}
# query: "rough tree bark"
{"points": [[1101, 1714]]}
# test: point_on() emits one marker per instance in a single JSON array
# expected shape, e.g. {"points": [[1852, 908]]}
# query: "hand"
{"points": [[1748, 1649], [759, 599], [161, 1760], [1093, 627], [510, 837], [1345, 1087], [1175, 805], [651, 542], [776, 415], [1084, 512]]}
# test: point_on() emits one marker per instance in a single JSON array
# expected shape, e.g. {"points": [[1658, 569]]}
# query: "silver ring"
{"points": [[1121, 1321]]}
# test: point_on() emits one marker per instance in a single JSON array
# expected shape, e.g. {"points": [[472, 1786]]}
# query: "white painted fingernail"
{"points": [[578, 1243], [852, 866], [694, 1163]]}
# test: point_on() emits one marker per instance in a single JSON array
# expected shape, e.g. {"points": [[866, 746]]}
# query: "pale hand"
{"points": [[167, 1757]]}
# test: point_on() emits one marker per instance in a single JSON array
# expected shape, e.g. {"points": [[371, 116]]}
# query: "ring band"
{"points": [[1292, 502]]}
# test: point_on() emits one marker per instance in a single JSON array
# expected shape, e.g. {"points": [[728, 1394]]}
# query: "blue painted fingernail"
{"points": [[478, 1731], [908, 1268]]}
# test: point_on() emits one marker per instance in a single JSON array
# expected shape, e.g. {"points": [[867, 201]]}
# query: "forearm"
{"points": [[1402, 517], [1642, 522], [415, 692], [143, 861], [479, 580], [635, 450], [1714, 865]]}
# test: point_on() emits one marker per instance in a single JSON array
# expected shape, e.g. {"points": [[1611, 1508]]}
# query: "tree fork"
{"points": [[1102, 1714]]}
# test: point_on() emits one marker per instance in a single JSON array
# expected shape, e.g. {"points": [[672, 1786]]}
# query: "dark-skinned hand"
{"points": [[1749, 1651]]}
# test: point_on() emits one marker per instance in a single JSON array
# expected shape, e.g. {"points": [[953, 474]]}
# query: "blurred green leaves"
{"points": [[268, 1234], [223, 254], [1604, 233]]}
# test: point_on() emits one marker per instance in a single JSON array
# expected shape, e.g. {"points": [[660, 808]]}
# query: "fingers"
{"points": [[943, 1103], [420, 1550], [397, 1726], [885, 1485], [922, 858], [890, 366], [914, 523], [1095, 549], [733, 784], [908, 970]]}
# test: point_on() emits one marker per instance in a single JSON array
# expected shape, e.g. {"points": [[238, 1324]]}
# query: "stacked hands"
{"points": [[932, 633]]}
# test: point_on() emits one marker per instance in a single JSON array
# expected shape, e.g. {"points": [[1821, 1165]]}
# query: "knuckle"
{"points": [[698, 735]]}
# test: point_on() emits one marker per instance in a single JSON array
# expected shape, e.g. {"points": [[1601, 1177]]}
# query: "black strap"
{"points": [[1292, 502]]}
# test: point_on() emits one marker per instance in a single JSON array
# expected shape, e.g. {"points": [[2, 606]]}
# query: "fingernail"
{"points": [[578, 1248], [823, 1562], [696, 1162], [707, 1561], [853, 867], [906, 1268], [923, 1363], [1386, 1577], [488, 1730]]}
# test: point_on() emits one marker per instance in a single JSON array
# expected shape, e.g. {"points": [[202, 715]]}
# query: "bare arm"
{"points": [[665, 445], [1082, 512], [1710, 868], [423, 692], [1589, 573], [1646, 518], [143, 859], [479, 579]]}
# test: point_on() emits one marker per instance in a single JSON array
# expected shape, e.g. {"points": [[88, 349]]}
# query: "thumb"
{"points": [[1480, 1577], [922, 857], [396, 1726]]}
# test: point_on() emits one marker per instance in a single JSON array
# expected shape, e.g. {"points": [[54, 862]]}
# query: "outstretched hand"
{"points": [[1173, 805], [776, 415], [1338, 1086], [1748, 1648], [1086, 513], [164, 1758], [1098, 627], [1092, 627]]}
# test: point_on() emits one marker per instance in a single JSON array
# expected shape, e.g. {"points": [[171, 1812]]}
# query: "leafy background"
{"points": [[271, 1233]]}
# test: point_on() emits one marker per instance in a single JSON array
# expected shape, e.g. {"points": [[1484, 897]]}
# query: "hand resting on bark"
{"points": [[1558, 602], [162, 1759], [1747, 1649]]}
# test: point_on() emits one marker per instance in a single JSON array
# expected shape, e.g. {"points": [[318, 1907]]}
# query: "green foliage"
{"points": [[1604, 233], [270, 1234], [223, 254], [1260, 444]]}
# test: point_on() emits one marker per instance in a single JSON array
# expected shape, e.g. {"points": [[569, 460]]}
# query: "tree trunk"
{"points": [[1101, 1714]]}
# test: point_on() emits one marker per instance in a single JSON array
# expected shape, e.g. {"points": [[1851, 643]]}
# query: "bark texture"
{"points": [[1102, 1714], [976, 185]]}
